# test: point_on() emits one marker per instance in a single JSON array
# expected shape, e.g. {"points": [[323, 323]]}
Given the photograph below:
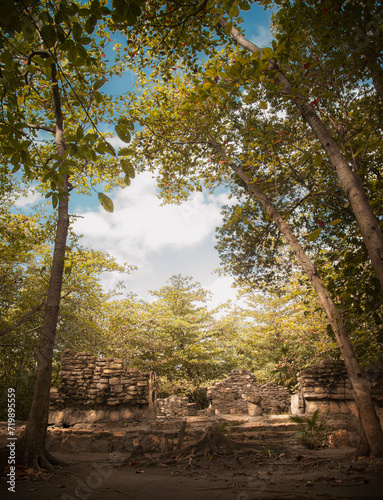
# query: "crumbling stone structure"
{"points": [[173, 406], [100, 390], [241, 394], [326, 387]]}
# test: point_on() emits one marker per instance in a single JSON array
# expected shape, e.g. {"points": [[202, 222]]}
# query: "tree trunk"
{"points": [[361, 390], [32, 444], [351, 184]]}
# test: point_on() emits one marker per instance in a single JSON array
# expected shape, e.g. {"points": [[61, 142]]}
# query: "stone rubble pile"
{"points": [[173, 406], [241, 394]]}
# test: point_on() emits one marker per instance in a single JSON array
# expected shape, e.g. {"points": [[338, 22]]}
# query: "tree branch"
{"points": [[22, 319], [41, 127]]}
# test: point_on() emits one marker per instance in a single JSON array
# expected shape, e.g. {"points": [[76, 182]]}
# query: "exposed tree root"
{"points": [[212, 442], [39, 459]]}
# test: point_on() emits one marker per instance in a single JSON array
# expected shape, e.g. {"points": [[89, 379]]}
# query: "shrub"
{"points": [[312, 430]]}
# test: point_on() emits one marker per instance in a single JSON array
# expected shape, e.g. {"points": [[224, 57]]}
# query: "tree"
{"points": [[183, 32], [283, 332], [26, 283], [176, 336], [189, 140], [52, 71]]}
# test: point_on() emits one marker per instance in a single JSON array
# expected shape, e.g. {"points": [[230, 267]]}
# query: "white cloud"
{"points": [[30, 199], [140, 227], [263, 37], [223, 290]]}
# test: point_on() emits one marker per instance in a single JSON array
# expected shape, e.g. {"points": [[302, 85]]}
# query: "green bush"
{"points": [[312, 430]]}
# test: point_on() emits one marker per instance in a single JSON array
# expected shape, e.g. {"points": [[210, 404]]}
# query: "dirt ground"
{"points": [[330, 474]]}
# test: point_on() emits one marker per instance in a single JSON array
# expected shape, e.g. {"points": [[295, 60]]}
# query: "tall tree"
{"points": [[176, 336], [183, 32], [283, 332], [194, 139], [52, 71]]}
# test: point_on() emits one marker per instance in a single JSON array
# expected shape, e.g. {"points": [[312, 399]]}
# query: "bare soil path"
{"points": [[297, 473]]}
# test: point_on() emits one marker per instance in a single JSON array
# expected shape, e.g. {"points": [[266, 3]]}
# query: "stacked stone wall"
{"points": [[326, 387], [100, 390], [241, 394]]}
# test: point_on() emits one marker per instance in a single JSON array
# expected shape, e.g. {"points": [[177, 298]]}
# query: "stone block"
{"points": [[102, 387], [114, 416], [126, 414], [101, 442], [114, 381], [254, 410], [112, 401]]}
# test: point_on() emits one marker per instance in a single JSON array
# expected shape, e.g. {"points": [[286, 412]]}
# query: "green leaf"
{"points": [[99, 83], [122, 129], [125, 151], [49, 35], [335, 222], [263, 104], [279, 49], [314, 235], [128, 169], [267, 53], [317, 160], [106, 202], [127, 180]]}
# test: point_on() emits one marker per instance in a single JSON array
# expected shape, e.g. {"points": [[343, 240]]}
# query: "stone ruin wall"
{"points": [[326, 387], [241, 394], [176, 406], [104, 390], [100, 390]]}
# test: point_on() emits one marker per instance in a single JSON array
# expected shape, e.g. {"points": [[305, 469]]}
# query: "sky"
{"points": [[160, 240]]}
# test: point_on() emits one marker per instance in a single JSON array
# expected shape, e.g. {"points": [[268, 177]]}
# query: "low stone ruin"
{"points": [[326, 387], [105, 390], [100, 390], [240, 394], [173, 406]]}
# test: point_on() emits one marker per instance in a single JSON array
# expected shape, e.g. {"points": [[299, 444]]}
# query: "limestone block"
{"points": [[103, 380], [114, 416], [101, 442], [77, 442], [114, 381], [254, 410], [112, 401], [102, 387], [126, 414]]}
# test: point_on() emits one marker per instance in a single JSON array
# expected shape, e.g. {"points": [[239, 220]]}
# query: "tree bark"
{"points": [[32, 444], [351, 184]]}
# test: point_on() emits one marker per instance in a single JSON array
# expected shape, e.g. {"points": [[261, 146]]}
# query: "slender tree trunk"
{"points": [[33, 442], [361, 390], [351, 184]]}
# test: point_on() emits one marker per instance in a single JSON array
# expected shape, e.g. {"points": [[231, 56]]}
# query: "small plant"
{"points": [[312, 430], [223, 427]]}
